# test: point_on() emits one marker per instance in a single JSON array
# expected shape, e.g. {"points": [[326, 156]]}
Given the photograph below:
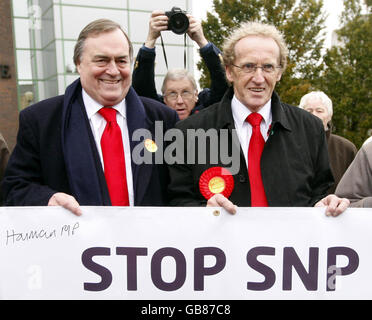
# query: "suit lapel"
{"points": [[137, 119], [78, 152]]}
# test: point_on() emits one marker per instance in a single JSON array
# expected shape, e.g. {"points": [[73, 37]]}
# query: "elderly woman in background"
{"points": [[341, 151]]}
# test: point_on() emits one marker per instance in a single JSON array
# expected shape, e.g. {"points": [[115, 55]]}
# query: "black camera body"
{"points": [[178, 21]]}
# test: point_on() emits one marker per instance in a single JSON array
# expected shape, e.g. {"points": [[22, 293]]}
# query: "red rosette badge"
{"points": [[216, 180]]}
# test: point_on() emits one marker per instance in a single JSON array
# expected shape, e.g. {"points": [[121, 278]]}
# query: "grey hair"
{"points": [[254, 29], [95, 28], [327, 102], [178, 74]]}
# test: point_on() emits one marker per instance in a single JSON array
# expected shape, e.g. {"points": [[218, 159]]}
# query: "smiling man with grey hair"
{"points": [[76, 149]]}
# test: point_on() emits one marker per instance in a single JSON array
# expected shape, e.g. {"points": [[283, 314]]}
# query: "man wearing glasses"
{"points": [[179, 90], [282, 156]]}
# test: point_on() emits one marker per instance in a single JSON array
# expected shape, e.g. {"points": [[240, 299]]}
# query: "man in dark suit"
{"points": [[281, 157], [70, 153]]}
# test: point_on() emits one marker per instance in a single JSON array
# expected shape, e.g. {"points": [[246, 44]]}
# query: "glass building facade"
{"points": [[45, 33]]}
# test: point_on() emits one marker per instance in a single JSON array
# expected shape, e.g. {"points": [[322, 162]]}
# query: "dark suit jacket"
{"points": [[294, 163], [56, 152]]}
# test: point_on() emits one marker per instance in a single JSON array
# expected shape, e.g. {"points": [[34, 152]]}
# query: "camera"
{"points": [[178, 21]]}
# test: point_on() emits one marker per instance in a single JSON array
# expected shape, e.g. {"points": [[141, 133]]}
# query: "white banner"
{"points": [[184, 253]]}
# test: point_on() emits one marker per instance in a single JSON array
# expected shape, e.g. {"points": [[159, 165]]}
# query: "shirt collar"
{"points": [[92, 106], [241, 112]]}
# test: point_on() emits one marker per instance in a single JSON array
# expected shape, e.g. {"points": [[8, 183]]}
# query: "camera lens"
{"points": [[178, 23]]}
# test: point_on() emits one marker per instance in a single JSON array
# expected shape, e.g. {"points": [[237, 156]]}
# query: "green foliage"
{"points": [[347, 78], [301, 22]]}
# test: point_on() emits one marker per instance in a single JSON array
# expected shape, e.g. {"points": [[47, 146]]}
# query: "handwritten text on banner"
{"points": [[185, 253]]}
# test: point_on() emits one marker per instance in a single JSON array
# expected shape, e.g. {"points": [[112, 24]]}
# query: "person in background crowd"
{"points": [[283, 152], [179, 90], [356, 183], [341, 151], [4, 157], [76, 149]]}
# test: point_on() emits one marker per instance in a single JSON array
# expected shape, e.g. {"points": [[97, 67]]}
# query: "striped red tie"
{"points": [[256, 145], [113, 159]]}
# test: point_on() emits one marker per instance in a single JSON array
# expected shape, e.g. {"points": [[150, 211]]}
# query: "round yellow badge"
{"points": [[216, 180], [151, 145], [216, 185]]}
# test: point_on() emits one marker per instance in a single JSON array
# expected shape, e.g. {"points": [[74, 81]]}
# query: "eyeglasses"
{"points": [[183, 94], [252, 67]]}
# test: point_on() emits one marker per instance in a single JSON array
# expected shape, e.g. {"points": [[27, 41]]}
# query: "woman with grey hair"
{"points": [[341, 151]]}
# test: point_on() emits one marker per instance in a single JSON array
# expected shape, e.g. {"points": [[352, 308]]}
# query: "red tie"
{"points": [[256, 145], [113, 159]]}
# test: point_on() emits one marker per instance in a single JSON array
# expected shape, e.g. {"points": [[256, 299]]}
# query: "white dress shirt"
{"points": [[243, 128], [98, 124]]}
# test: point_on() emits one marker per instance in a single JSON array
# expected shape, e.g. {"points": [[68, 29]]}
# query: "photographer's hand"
{"points": [[158, 22], [195, 31]]}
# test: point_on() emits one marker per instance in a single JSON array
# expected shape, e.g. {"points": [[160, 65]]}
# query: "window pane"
{"points": [[44, 5], [49, 62], [20, 8], [82, 16], [139, 19], [50, 88], [22, 35], [71, 78], [97, 3], [47, 29], [24, 65], [69, 66]]}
